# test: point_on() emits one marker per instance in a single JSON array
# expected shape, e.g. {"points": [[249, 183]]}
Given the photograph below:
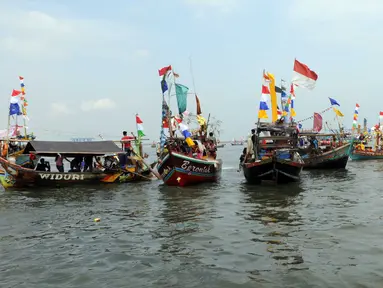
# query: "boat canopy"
{"points": [[71, 149]]}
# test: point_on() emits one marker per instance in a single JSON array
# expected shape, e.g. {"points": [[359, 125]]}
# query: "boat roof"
{"points": [[71, 149]]}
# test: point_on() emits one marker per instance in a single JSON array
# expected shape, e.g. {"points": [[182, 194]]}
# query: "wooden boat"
{"points": [[366, 155], [17, 174], [360, 150], [237, 143], [329, 155], [180, 170], [276, 157], [187, 160]]}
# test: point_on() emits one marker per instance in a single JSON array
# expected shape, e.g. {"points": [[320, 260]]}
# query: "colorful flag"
{"points": [[14, 109], [337, 112], [164, 70], [333, 102], [185, 130], [198, 105], [355, 120], [140, 127], [293, 113], [303, 76], [15, 92], [164, 85], [263, 107], [381, 114], [201, 120], [317, 122], [181, 95], [273, 97]]}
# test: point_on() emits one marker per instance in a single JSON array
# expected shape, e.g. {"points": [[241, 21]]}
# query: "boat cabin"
{"points": [[78, 156]]}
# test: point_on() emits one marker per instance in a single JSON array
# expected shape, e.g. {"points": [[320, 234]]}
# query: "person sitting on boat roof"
{"points": [[43, 166]]}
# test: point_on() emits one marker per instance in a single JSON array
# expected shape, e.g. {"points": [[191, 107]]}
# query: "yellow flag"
{"points": [[337, 112], [262, 114], [293, 113], [201, 120], [273, 96]]}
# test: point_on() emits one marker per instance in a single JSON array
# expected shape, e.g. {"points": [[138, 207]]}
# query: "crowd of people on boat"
{"points": [[200, 147], [77, 164]]}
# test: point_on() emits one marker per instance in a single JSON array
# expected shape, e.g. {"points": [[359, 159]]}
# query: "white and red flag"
{"points": [[303, 76]]}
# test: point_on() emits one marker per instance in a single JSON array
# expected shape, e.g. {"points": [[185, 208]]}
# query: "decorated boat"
{"points": [[178, 169], [184, 158], [273, 156], [368, 146], [102, 159], [329, 154]]}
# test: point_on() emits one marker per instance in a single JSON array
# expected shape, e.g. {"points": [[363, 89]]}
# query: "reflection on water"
{"points": [[320, 232]]}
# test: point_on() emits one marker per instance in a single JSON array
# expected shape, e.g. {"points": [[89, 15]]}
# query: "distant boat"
{"points": [[236, 142], [153, 144]]}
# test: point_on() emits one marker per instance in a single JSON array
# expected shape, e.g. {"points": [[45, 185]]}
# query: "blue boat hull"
{"points": [[355, 156]]}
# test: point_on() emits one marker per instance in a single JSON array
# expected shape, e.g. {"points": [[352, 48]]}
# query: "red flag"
{"points": [[265, 89], [15, 92], [165, 124], [21, 78], [138, 120], [292, 92], [317, 122], [303, 76], [164, 70], [381, 114], [357, 105]]}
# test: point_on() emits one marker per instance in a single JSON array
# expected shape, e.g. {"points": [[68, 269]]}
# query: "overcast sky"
{"points": [[89, 66]]}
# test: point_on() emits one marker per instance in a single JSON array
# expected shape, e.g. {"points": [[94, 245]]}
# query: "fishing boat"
{"points": [[154, 144], [329, 154], [368, 147], [23, 171], [184, 158], [275, 157], [237, 142], [362, 151], [220, 145], [179, 169]]}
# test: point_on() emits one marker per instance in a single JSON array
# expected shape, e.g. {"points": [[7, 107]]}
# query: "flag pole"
{"points": [[9, 123], [191, 72], [259, 119]]}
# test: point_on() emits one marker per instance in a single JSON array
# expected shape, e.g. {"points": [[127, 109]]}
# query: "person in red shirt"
{"points": [[127, 142]]}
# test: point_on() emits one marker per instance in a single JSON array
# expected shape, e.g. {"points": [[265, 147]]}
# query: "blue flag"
{"points": [[14, 109], [164, 86], [333, 101]]}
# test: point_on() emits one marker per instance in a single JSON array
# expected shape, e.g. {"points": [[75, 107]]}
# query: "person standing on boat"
{"points": [[250, 145], [59, 163], [126, 142]]}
